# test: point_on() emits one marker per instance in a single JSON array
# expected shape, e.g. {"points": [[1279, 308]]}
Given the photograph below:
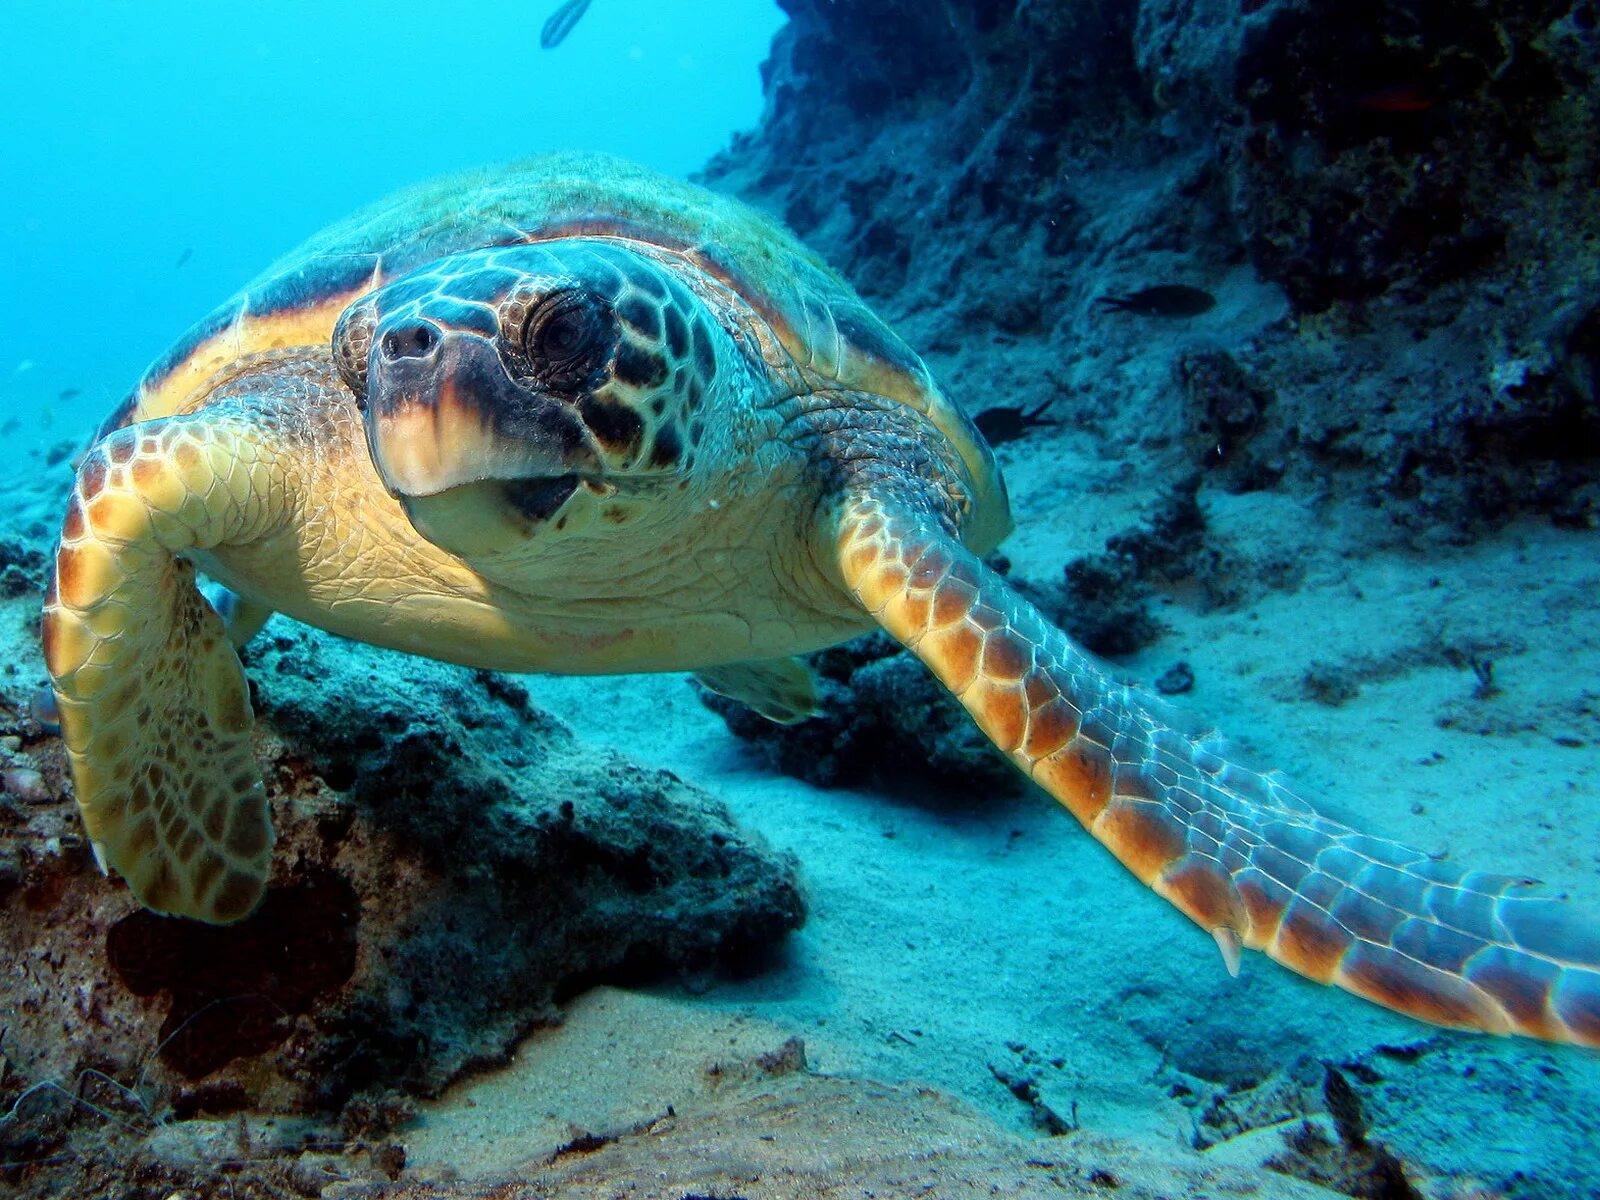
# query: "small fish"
{"points": [[68, 393], [11, 425], [561, 22], [1163, 300], [183, 258], [1008, 422]]}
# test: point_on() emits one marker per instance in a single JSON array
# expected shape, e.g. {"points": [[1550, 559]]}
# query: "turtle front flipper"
{"points": [[1234, 850], [154, 707]]}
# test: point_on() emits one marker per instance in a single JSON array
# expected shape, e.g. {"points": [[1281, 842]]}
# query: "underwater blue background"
{"points": [[1385, 533], [141, 135]]}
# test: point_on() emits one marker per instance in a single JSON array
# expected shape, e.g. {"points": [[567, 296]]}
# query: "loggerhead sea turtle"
{"points": [[576, 417]]}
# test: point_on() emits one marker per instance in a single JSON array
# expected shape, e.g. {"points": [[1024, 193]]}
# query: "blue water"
{"points": [[159, 153]]}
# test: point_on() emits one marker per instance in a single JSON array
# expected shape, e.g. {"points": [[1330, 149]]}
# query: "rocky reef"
{"points": [[884, 722], [1338, 252], [1398, 195], [451, 864], [1391, 206]]}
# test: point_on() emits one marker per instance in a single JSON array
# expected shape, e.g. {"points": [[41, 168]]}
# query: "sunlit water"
{"points": [[159, 153]]}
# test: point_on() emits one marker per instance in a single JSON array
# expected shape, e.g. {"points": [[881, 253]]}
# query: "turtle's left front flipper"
{"points": [[154, 707], [1233, 849]]}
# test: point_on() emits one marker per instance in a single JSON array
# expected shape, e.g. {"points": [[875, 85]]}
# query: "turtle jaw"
{"points": [[481, 520], [478, 463]]}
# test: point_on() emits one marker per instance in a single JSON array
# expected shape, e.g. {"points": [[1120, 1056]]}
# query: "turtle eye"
{"points": [[567, 338], [352, 341]]}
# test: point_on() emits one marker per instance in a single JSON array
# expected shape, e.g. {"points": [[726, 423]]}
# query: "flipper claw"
{"points": [[1228, 942]]}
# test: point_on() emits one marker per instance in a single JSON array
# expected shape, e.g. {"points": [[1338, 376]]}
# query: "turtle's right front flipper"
{"points": [[154, 707], [1231, 848]]}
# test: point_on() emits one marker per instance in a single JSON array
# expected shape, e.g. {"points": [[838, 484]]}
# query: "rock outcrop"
{"points": [[1414, 178], [451, 863]]}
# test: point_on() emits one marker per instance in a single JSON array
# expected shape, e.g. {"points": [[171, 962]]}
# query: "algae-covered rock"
{"points": [[1411, 183], [450, 863]]}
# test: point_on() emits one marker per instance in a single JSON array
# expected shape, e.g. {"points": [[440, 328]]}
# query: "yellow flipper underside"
{"points": [[1233, 849], [154, 707], [780, 689]]}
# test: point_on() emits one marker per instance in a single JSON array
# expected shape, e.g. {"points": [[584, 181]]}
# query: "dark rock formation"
{"points": [[21, 569], [1417, 177], [451, 862], [1404, 146]]}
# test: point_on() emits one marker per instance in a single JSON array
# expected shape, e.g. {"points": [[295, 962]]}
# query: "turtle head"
{"points": [[519, 389]]}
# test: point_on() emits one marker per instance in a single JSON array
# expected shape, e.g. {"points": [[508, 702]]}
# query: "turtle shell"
{"points": [[818, 319]]}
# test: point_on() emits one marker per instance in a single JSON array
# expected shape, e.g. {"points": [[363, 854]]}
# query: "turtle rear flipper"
{"points": [[242, 618], [1230, 847], [154, 707], [782, 690]]}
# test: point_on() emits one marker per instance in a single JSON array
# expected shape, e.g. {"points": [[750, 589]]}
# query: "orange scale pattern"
{"points": [[1234, 849]]}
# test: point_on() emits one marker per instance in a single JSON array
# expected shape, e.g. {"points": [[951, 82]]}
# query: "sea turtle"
{"points": [[573, 416]]}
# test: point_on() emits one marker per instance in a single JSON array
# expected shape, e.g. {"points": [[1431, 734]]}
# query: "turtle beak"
{"points": [[442, 412], [464, 448]]}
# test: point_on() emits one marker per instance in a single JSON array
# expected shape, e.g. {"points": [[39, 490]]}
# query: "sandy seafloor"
{"points": [[946, 944], [943, 943]]}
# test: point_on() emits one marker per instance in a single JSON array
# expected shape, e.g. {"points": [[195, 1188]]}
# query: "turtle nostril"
{"points": [[415, 340]]}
